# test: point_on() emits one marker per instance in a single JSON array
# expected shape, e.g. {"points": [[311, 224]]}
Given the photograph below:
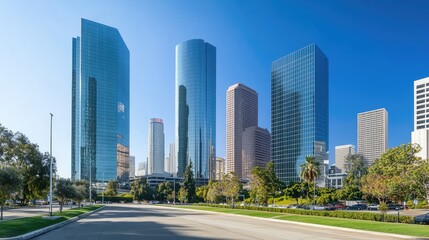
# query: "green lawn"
{"points": [[395, 228], [19, 226]]}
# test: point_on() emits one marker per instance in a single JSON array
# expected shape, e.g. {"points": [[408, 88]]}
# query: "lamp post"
{"points": [[50, 173], [90, 182], [102, 193]]}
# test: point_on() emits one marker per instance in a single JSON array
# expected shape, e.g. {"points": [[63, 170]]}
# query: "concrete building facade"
{"points": [[341, 153], [156, 156], [256, 149], [420, 135]]}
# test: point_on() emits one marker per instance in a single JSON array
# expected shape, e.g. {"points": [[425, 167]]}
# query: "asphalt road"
{"points": [[152, 222]]}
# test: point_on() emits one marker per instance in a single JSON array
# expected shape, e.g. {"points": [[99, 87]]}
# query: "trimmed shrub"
{"points": [[339, 214]]}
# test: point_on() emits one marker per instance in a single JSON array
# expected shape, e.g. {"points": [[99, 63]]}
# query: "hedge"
{"points": [[115, 199], [339, 213]]}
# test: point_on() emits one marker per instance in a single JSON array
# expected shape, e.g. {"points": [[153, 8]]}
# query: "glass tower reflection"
{"points": [[100, 104], [299, 110], [196, 107]]}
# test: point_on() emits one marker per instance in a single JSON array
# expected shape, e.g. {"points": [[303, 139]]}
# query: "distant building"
{"points": [[172, 159], [220, 168], [141, 169], [100, 104], [372, 134], [299, 111], [420, 135], [167, 164], [155, 162], [336, 179], [196, 107], [341, 153], [132, 166], [256, 149], [241, 113]]}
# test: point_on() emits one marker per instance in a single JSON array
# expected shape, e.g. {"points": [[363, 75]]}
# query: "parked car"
{"points": [[422, 219], [330, 207], [373, 207], [357, 207], [293, 206], [394, 206]]}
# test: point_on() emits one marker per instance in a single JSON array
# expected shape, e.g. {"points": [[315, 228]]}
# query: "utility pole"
{"points": [[50, 173]]}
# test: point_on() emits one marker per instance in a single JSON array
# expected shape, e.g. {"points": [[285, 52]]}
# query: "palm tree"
{"points": [[309, 172]]}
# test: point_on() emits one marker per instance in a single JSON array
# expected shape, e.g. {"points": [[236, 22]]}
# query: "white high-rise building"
{"points": [[341, 153], [141, 169], [155, 162], [241, 113], [172, 158], [372, 134], [132, 166], [420, 135], [167, 164]]}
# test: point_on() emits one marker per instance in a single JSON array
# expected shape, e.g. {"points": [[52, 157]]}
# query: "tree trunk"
{"points": [[61, 206], [1, 210]]}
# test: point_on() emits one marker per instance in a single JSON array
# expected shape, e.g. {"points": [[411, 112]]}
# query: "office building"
{"points": [[196, 107], [372, 134], [172, 159], [220, 168], [132, 166], [156, 156], [256, 149], [299, 111], [100, 104], [141, 169], [167, 164], [420, 135], [341, 153], [241, 113]]}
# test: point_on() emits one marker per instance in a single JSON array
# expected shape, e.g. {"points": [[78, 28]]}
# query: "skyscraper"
{"points": [[196, 107], [172, 158], [132, 166], [341, 153], [241, 113], [220, 168], [299, 110], [372, 134], [420, 135], [256, 149], [100, 104], [155, 141]]}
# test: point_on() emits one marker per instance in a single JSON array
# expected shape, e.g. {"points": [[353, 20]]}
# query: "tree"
{"points": [[309, 171], [9, 184], [232, 186], [183, 195], [82, 190], [214, 192], [263, 183], [189, 182], [112, 188], [396, 166], [376, 185], [164, 190], [355, 168], [201, 192], [420, 178], [64, 190], [294, 190], [137, 190]]}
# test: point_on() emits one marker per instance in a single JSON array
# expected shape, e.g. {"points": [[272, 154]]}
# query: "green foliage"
{"points": [[189, 183], [164, 191], [263, 183], [356, 170], [183, 195], [338, 214], [9, 184], [112, 188], [383, 207], [64, 190], [394, 176], [309, 171], [33, 166], [202, 191], [294, 190]]}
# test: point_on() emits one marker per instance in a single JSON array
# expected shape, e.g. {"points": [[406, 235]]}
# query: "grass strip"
{"points": [[19, 226], [394, 228]]}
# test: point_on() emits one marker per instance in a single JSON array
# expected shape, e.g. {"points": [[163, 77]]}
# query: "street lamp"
{"points": [[50, 173], [102, 193]]}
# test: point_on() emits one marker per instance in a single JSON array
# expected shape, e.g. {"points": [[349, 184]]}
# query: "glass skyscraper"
{"points": [[196, 107], [299, 111], [100, 104]]}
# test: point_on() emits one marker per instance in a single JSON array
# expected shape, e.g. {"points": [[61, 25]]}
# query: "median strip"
{"points": [[372, 226]]}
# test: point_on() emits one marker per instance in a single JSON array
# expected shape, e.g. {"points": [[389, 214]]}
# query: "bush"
{"points": [[339, 214]]}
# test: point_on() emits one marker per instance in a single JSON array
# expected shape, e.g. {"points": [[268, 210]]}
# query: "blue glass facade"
{"points": [[299, 110], [196, 107], [100, 103]]}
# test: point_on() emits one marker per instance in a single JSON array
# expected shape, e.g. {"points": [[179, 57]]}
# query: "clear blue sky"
{"points": [[376, 49]]}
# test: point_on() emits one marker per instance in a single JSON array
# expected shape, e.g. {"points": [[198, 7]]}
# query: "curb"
{"points": [[308, 224], [50, 228]]}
